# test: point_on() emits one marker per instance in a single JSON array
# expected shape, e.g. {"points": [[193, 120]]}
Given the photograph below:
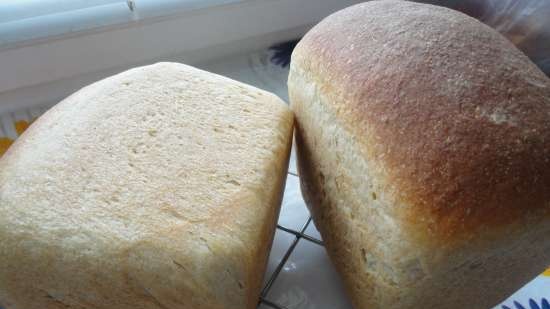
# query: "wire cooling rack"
{"points": [[298, 236]]}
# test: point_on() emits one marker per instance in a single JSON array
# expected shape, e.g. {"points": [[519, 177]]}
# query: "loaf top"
{"points": [[454, 117], [161, 180]]}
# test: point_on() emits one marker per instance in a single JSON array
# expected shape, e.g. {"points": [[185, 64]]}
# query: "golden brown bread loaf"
{"points": [[155, 188], [424, 154]]}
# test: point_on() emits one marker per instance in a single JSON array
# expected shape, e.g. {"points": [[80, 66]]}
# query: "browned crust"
{"points": [[458, 116]]}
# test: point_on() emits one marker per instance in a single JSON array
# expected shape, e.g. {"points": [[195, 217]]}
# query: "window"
{"points": [[26, 20]]}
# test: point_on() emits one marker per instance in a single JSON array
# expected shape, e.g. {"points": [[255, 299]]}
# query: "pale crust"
{"points": [[424, 148], [155, 188]]}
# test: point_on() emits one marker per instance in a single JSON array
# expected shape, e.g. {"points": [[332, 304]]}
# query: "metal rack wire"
{"points": [[298, 235]]}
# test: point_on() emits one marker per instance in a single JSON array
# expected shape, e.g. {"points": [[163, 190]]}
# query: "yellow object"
{"points": [[21, 126], [5, 143], [546, 273]]}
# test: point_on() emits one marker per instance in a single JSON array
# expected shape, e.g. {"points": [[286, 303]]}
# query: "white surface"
{"points": [[294, 213], [281, 243], [308, 281]]}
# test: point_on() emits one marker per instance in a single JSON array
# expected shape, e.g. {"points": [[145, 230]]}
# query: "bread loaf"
{"points": [[155, 188], [424, 153]]}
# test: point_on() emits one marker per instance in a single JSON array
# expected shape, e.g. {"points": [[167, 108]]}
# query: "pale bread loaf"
{"points": [[424, 153], [155, 188]]}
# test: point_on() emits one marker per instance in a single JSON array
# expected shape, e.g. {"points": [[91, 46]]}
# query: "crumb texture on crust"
{"points": [[458, 115], [156, 188], [423, 146]]}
